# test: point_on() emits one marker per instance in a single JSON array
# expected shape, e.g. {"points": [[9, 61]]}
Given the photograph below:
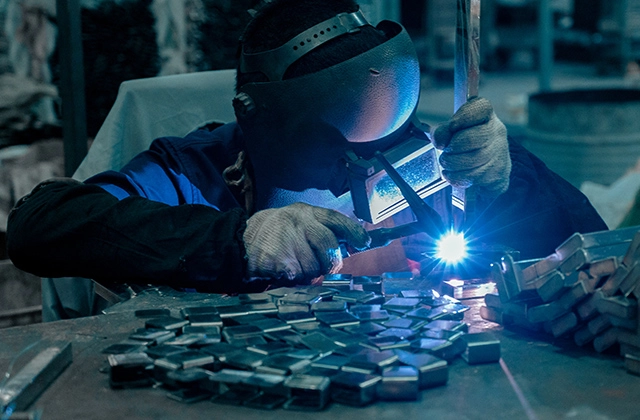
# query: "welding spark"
{"points": [[452, 247]]}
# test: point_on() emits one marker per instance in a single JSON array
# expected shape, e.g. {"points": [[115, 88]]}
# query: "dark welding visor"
{"points": [[365, 98]]}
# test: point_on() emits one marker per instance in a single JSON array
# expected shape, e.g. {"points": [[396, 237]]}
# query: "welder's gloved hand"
{"points": [[474, 148], [299, 242]]}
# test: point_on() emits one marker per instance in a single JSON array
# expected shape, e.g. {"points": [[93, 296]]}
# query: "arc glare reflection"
{"points": [[452, 247]]}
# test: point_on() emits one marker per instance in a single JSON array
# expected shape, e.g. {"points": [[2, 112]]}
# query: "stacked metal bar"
{"points": [[588, 289], [302, 348]]}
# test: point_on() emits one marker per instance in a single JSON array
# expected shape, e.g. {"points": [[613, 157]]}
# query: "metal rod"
{"points": [[74, 121]]}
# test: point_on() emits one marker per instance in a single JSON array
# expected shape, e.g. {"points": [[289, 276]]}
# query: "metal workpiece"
{"points": [[219, 350], [564, 324], [545, 312], [329, 306], [376, 316], [331, 361], [267, 383], [281, 292], [338, 281], [230, 377], [319, 341], [337, 319], [255, 298], [582, 257], [401, 303], [628, 349], [271, 325], [611, 286], [186, 378], [421, 313], [240, 331], [232, 311], [481, 347], [493, 300], [492, 314], [187, 339], [576, 294], [595, 239], [604, 267], [125, 371], [243, 359], [307, 354], [407, 323], [446, 325], [399, 383], [366, 328], [371, 362], [354, 296], [267, 308], [197, 310], [355, 389], [587, 309], [270, 348], [633, 253], [385, 343], [540, 268], [599, 324], [583, 336], [151, 336], [298, 298], [619, 306], [606, 340], [307, 392], [624, 323], [281, 364], [550, 286], [401, 333], [165, 323], [631, 280], [432, 371]]}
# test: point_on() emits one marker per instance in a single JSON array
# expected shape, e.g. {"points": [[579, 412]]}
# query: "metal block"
{"points": [[611, 286], [306, 327], [432, 371], [452, 287], [338, 281], [595, 239], [318, 341], [267, 383], [240, 331], [399, 303], [152, 336], [322, 291], [491, 314], [564, 325], [292, 314], [337, 319], [246, 341], [385, 343], [281, 364], [584, 256], [355, 389], [599, 324], [590, 283], [219, 350], [299, 298], [583, 336], [126, 370], [573, 296], [230, 377], [376, 316], [632, 363], [186, 339], [205, 320], [236, 396], [604, 267], [329, 306], [186, 378], [420, 313], [307, 392], [261, 308], [619, 306], [351, 350], [353, 296], [342, 338], [605, 340], [587, 309], [184, 360], [545, 312], [550, 286], [271, 325], [330, 361], [366, 328], [280, 292], [408, 323], [493, 300], [369, 284], [233, 310], [245, 360], [542, 267], [197, 310], [307, 354], [399, 383], [481, 347], [631, 280], [270, 348], [628, 349], [426, 296], [633, 253], [623, 323], [372, 361], [454, 311], [165, 323], [401, 333], [529, 269]]}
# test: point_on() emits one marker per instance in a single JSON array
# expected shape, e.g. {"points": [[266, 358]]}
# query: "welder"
{"points": [[269, 198]]}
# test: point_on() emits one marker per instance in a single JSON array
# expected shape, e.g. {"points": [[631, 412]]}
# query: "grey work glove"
{"points": [[474, 148], [299, 242]]}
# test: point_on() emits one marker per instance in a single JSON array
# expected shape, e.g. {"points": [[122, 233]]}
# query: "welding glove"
{"points": [[299, 242], [474, 148]]}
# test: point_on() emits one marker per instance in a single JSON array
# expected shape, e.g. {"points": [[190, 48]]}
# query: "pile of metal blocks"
{"points": [[588, 289], [302, 348]]}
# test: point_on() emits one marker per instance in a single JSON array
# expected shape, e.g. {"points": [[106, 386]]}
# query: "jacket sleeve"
{"points": [[67, 228], [538, 212]]}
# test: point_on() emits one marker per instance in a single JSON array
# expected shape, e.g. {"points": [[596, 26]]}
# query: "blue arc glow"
{"points": [[452, 247]]}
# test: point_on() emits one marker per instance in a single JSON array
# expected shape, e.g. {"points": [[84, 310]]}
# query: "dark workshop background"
{"points": [[528, 47]]}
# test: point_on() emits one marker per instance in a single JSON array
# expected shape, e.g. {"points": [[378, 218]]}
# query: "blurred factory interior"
{"points": [[74, 55]]}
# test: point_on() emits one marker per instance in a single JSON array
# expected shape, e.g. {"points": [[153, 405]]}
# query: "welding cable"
{"points": [[6, 411], [516, 388]]}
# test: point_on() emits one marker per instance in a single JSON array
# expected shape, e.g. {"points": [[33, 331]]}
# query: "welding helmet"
{"points": [[304, 131]]}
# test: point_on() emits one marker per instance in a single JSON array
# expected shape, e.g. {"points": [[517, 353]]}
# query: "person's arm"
{"points": [[538, 211], [67, 228]]}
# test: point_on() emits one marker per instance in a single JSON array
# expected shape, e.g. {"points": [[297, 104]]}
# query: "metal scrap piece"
{"points": [[399, 383], [481, 347]]}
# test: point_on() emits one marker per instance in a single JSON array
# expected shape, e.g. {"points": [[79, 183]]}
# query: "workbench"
{"points": [[535, 379]]}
